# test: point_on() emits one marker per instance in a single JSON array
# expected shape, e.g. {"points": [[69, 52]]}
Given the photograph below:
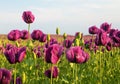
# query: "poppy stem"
{"points": [[51, 74], [73, 71], [76, 73], [28, 30], [15, 74], [100, 70]]}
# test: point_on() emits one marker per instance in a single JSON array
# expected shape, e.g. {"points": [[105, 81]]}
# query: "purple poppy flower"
{"points": [[5, 76], [28, 17], [14, 35], [18, 80], [21, 54], [53, 41], [54, 70], [53, 53], [93, 30], [113, 32], [106, 27], [76, 55], [43, 38], [36, 34], [37, 51], [101, 38], [109, 46], [116, 37], [67, 43], [24, 34], [15, 54]]}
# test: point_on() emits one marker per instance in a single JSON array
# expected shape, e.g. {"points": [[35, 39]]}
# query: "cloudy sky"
{"points": [[69, 15]]}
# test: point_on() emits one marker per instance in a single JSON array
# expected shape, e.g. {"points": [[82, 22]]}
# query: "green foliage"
{"points": [[101, 68]]}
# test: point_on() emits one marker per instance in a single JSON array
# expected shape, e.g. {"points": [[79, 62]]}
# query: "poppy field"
{"points": [[39, 58]]}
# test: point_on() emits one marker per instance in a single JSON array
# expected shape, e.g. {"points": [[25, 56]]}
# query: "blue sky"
{"points": [[69, 15]]}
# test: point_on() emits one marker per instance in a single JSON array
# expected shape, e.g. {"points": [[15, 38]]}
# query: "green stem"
{"points": [[76, 74], [73, 71], [15, 74], [100, 71], [29, 29], [51, 74]]}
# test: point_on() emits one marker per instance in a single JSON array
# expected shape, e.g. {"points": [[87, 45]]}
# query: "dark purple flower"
{"points": [[28, 17], [5, 76], [67, 43], [53, 53], [14, 35], [36, 34], [18, 80], [21, 54], [101, 38], [54, 70], [106, 27], [109, 46], [116, 37], [93, 30], [76, 55], [24, 34], [37, 51], [15, 54], [112, 32], [43, 38]]}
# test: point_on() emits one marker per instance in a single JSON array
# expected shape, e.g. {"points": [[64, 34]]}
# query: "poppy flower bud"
{"points": [[57, 31], [48, 37], [77, 42], [64, 35], [78, 35]]}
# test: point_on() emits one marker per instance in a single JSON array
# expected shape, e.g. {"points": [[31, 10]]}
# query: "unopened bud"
{"points": [[57, 31]]}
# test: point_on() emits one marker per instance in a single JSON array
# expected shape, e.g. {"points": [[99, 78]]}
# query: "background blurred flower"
{"points": [[116, 37], [43, 38], [24, 34], [109, 46], [28, 17], [54, 71], [67, 43], [36, 34], [93, 30], [14, 35], [106, 27], [76, 55], [112, 32], [101, 38], [5, 76]]}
